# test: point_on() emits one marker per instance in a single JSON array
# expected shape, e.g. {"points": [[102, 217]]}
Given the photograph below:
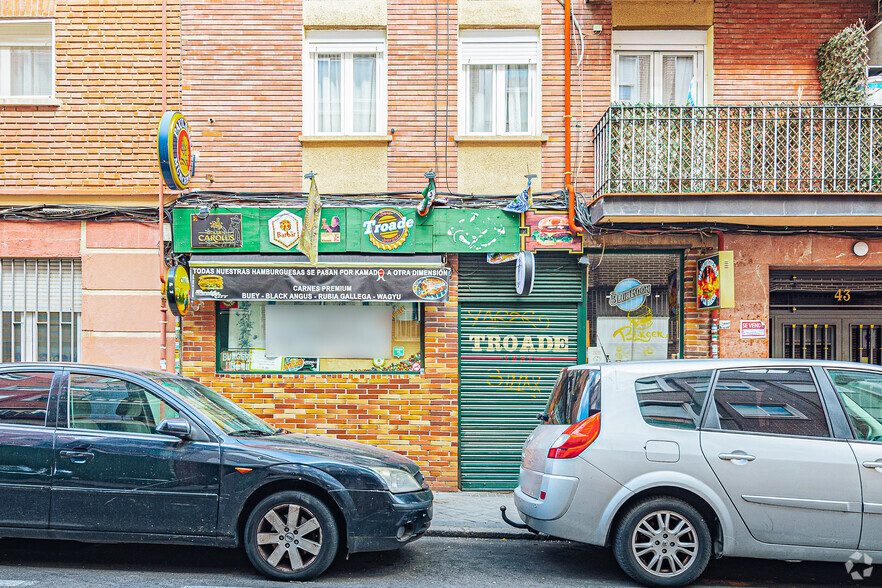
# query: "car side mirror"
{"points": [[176, 427]]}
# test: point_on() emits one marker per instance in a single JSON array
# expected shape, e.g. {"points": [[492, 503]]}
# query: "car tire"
{"points": [[283, 550], [668, 529]]}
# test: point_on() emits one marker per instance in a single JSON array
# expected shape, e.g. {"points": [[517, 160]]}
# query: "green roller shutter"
{"points": [[512, 349]]}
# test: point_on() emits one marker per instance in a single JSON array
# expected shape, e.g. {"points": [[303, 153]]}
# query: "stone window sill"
{"points": [[345, 139], [29, 101], [502, 139]]}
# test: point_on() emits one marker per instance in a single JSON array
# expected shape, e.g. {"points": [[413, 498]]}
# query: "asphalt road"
{"points": [[432, 561]]}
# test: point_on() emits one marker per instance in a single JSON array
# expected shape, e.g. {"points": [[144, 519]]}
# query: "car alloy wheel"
{"points": [[664, 543], [291, 535]]}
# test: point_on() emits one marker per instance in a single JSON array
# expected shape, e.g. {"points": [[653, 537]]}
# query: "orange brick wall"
{"points": [[415, 415], [424, 119], [101, 139], [242, 69], [766, 50]]}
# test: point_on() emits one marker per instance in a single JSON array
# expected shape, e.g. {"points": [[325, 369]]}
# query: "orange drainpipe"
{"points": [[163, 270], [568, 121]]}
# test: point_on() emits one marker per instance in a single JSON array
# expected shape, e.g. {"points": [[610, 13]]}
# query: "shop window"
{"points": [[659, 67], [345, 83], [40, 301], [500, 82], [634, 306], [269, 337], [26, 58]]}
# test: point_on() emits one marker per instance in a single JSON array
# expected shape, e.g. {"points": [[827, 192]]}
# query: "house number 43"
{"points": [[842, 295]]}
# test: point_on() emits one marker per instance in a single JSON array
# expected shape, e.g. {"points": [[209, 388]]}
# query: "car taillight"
{"points": [[576, 438]]}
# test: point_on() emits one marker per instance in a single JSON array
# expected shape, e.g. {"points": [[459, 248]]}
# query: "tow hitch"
{"points": [[512, 523]]}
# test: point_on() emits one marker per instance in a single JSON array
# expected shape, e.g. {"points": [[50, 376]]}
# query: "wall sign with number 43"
{"points": [[842, 295]]}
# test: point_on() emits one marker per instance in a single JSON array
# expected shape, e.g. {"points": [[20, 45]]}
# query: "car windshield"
{"points": [[230, 417]]}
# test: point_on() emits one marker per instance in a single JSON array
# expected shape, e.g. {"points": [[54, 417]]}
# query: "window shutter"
{"points": [[40, 285], [26, 34], [491, 48]]}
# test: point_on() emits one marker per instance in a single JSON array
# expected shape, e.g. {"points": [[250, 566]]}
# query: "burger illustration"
{"points": [[210, 282], [553, 230], [430, 288]]}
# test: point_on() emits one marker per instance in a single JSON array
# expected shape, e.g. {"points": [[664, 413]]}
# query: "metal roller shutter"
{"points": [[510, 356]]}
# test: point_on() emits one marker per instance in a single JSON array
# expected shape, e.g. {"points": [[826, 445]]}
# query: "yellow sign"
{"points": [[177, 290]]}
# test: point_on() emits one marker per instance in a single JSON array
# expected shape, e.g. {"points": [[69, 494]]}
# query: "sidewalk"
{"points": [[475, 514]]}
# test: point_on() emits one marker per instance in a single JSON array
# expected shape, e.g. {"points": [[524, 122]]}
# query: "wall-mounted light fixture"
{"points": [[860, 248]]}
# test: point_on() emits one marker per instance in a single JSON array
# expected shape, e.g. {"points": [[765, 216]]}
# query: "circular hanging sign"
{"points": [[176, 161], [387, 229], [525, 272], [177, 290], [629, 294]]}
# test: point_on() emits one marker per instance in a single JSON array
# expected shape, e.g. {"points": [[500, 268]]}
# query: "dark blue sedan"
{"points": [[120, 455]]}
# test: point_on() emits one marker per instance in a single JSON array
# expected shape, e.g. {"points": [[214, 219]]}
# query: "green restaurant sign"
{"points": [[350, 230]]}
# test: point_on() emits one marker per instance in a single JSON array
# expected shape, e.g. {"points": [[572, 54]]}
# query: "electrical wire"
{"points": [[52, 212]]}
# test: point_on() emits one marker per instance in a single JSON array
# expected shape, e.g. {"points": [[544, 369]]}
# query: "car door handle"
{"points": [[737, 457], [875, 465], [77, 456]]}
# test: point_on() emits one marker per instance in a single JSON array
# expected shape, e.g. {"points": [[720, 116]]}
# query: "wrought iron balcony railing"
{"points": [[738, 149]]}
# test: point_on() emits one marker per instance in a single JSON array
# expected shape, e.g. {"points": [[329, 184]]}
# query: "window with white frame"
{"points": [[345, 82], [40, 308], [659, 67], [26, 58], [499, 87]]}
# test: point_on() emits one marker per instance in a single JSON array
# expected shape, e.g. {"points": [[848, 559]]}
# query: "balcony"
{"points": [[739, 164]]}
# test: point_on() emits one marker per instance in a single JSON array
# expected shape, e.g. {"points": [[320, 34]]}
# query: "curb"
{"points": [[484, 533]]}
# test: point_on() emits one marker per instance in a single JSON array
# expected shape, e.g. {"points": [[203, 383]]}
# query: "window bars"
{"points": [[738, 149], [40, 308]]}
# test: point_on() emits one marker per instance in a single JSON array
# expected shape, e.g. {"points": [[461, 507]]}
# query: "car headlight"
{"points": [[398, 481]]}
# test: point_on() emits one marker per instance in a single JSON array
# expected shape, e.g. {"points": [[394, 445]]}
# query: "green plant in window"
{"points": [[245, 323]]}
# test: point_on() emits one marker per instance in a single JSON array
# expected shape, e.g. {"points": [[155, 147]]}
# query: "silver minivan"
{"points": [[673, 462]]}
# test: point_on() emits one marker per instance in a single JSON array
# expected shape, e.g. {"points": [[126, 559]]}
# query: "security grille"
{"points": [[40, 307]]}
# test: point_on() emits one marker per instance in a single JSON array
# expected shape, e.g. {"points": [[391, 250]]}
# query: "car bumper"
{"points": [[383, 521], [552, 494]]}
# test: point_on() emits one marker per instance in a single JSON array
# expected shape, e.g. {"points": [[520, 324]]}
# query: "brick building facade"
{"points": [[78, 184]]}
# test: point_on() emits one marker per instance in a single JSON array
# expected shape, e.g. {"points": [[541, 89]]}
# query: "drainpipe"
{"points": [[715, 313], [568, 121], [163, 270]]}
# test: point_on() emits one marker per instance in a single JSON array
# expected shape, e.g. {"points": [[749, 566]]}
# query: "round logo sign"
{"points": [[525, 272], [629, 294], [177, 290], [387, 229], [173, 150]]}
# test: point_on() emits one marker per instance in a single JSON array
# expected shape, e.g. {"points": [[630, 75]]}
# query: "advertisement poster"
{"points": [[633, 338], [216, 231], [321, 284], [753, 330], [548, 230], [707, 284]]}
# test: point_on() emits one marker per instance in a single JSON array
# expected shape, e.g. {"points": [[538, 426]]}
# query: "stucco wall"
{"points": [[344, 13], [755, 254], [500, 13]]}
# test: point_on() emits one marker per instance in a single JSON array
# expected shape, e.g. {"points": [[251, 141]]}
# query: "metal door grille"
{"points": [[809, 341], [40, 309], [866, 341]]}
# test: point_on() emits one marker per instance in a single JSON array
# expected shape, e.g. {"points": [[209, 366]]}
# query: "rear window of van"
{"points": [[576, 396]]}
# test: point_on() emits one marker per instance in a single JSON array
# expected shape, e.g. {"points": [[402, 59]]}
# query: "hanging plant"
{"points": [[842, 66]]}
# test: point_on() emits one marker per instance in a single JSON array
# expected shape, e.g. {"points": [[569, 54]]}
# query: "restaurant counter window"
{"points": [[339, 337], [634, 306]]}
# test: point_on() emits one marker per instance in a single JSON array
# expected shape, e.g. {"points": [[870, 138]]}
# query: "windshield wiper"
{"points": [[255, 432]]}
